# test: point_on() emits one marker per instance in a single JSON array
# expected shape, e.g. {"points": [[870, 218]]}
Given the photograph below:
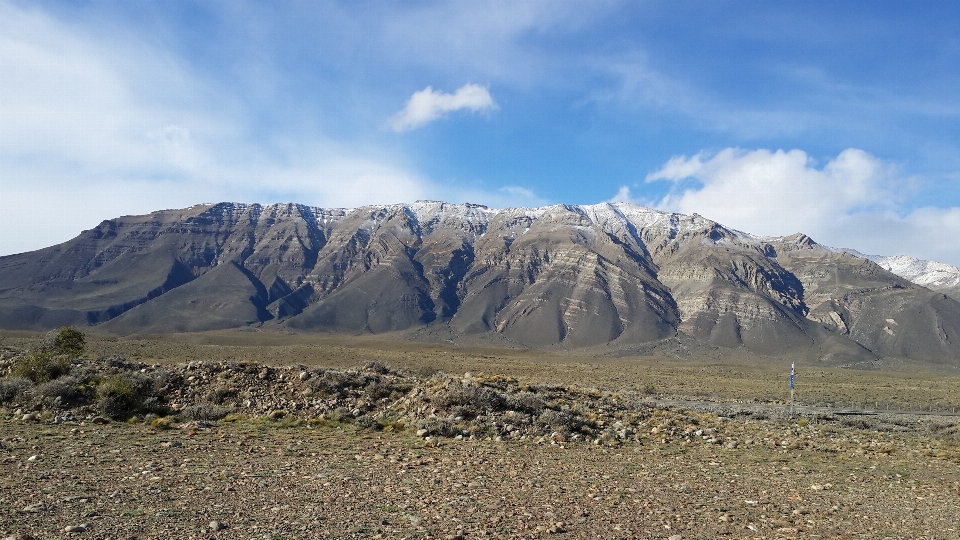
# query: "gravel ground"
{"points": [[258, 479], [108, 448]]}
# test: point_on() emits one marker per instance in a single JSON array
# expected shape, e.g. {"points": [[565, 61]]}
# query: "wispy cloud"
{"points": [[94, 128], [428, 105], [98, 125]]}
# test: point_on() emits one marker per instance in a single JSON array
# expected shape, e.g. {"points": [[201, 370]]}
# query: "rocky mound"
{"points": [[45, 387]]}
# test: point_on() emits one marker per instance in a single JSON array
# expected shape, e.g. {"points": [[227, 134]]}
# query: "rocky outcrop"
{"points": [[612, 275]]}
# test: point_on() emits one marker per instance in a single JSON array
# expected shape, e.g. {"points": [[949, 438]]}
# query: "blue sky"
{"points": [[837, 119]]}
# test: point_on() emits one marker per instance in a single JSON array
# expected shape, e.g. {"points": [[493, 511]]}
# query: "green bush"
{"points": [[41, 366], [117, 396], [69, 341]]}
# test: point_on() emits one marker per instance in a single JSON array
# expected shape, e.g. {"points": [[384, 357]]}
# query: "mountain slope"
{"points": [[933, 275], [613, 275]]}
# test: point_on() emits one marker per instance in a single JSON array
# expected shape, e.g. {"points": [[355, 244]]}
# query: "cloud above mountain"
{"points": [[851, 200], [428, 105], [775, 192]]}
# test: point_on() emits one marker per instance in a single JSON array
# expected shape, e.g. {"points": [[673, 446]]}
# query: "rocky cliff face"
{"points": [[557, 276]]}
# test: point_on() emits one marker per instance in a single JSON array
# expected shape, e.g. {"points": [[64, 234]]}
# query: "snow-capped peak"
{"points": [[919, 271]]}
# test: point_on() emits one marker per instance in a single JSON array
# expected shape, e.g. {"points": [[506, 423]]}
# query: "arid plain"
{"points": [[275, 435]]}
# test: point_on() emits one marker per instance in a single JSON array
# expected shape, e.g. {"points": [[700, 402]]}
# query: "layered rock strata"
{"points": [[559, 276]]}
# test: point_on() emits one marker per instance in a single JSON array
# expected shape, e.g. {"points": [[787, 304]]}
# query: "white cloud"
{"points": [[777, 192], [428, 105], [623, 195], [848, 202]]}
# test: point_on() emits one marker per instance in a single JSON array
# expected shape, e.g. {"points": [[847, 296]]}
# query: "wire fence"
{"points": [[889, 406]]}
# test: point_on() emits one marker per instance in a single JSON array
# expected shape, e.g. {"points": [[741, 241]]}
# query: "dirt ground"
{"points": [[256, 481], [681, 475]]}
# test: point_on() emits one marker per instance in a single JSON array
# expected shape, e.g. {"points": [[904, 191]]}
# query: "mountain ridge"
{"points": [[567, 276]]}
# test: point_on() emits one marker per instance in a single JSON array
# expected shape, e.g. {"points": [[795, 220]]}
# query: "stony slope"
{"points": [[257, 451], [557, 276]]}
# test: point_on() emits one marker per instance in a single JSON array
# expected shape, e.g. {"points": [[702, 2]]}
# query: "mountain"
{"points": [[617, 276], [933, 275]]}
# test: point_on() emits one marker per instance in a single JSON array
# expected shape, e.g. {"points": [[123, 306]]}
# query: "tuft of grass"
{"points": [[267, 421], [163, 422], [802, 422], [391, 426], [331, 420]]}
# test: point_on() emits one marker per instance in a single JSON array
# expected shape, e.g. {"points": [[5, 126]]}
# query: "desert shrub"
{"points": [[141, 384], [368, 422], [117, 361], [41, 366], [439, 427], [11, 388], [117, 396], [526, 402], [857, 423], [67, 388], [221, 395], [377, 367], [380, 388], [69, 341], [204, 411], [471, 401], [165, 379], [560, 421], [425, 372], [154, 405], [377, 389], [338, 383]]}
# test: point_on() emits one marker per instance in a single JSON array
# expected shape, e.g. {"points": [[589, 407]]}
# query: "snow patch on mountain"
{"points": [[919, 271], [620, 219]]}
